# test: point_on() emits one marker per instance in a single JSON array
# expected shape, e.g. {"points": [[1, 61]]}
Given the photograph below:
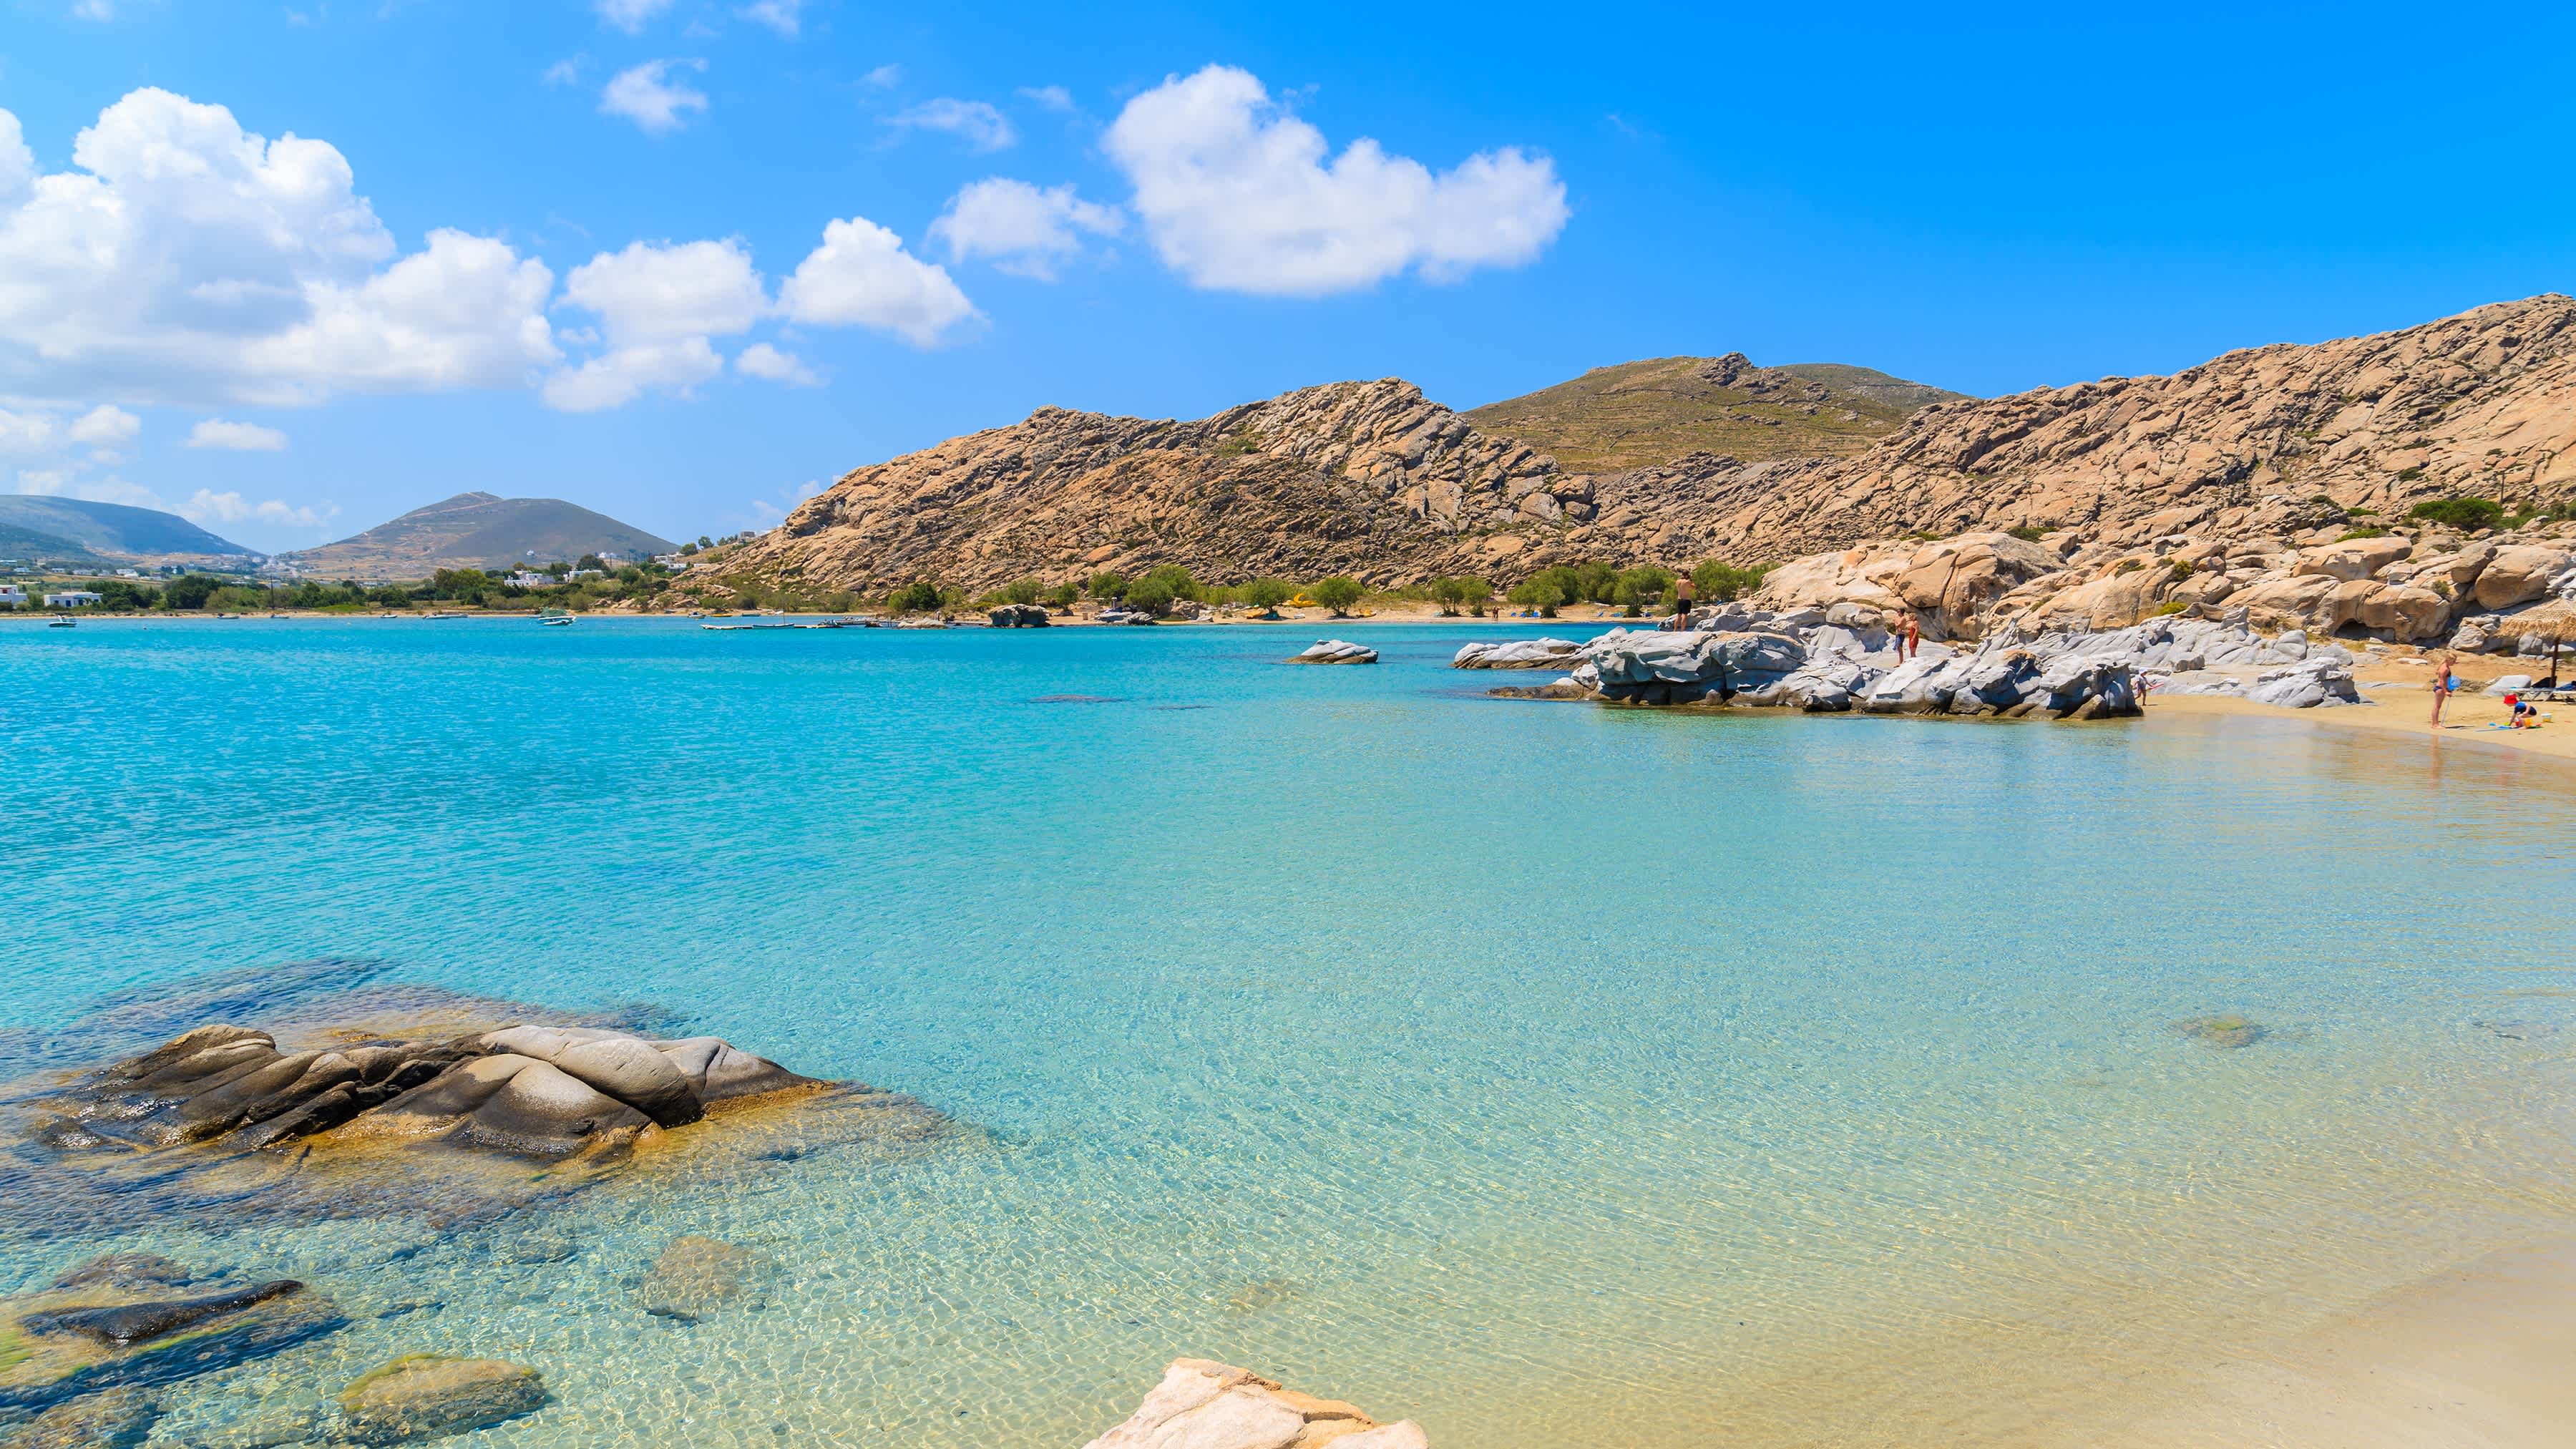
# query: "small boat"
{"points": [[554, 616], [59, 621], [566, 619]]}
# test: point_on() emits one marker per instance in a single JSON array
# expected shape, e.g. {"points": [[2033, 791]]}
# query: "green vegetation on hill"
{"points": [[1639, 414], [108, 530]]}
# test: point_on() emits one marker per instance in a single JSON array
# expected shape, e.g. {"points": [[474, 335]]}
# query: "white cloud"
{"points": [[29, 434], [766, 515], [660, 292], [1238, 195], [658, 304], [186, 261], [647, 96], [566, 71], [236, 437], [762, 360], [624, 374], [976, 123], [630, 16], [778, 15], [1023, 229], [111, 489], [105, 425], [208, 506], [94, 10], [883, 76], [1053, 98], [861, 276]]}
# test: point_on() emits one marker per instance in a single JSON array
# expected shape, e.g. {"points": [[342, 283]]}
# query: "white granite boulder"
{"points": [[1517, 654], [1335, 651], [1201, 1404]]}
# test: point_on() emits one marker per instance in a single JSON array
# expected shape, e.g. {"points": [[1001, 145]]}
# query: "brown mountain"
{"points": [[1639, 414], [2259, 441], [1374, 480], [479, 531]]}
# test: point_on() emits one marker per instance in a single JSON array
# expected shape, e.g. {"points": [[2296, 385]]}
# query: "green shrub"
{"points": [[2026, 532], [1643, 585], [2180, 571], [1061, 597], [1715, 582], [921, 596], [1023, 591], [2466, 514], [2410, 473], [2367, 530], [190, 591], [1267, 593], [2171, 606], [1455, 594], [1540, 592], [1107, 586], [1337, 593]]}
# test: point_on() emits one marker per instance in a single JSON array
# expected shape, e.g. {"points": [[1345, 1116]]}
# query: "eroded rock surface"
{"points": [[133, 1322], [1201, 1404], [1334, 651], [1517, 654]]}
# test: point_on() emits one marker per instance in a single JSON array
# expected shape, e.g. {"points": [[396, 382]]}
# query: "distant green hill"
{"points": [[106, 530], [477, 530], [1642, 413], [26, 545]]}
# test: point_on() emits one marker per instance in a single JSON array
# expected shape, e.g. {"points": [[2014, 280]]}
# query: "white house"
{"points": [[523, 579], [13, 596], [70, 599]]}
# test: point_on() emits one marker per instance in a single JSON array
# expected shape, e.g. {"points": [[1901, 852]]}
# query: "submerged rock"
{"points": [[696, 1277], [80, 1341], [424, 1396], [2229, 1032], [1335, 651], [116, 1419], [1202, 1404]]}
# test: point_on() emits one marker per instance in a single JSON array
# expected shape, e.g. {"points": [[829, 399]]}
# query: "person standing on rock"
{"points": [[1682, 602], [1912, 642], [2445, 683]]}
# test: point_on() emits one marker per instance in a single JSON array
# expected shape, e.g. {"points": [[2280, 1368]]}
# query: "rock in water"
{"points": [[1335, 651], [1206, 1405], [116, 1419], [697, 1276], [2230, 1032], [125, 1323], [424, 1396], [1517, 654]]}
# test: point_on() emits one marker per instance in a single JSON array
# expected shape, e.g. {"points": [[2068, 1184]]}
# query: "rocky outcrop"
{"points": [[530, 1091], [1019, 616], [429, 1396], [1846, 660], [1365, 478], [1334, 651], [226, 1125], [1517, 654], [1205, 1405]]}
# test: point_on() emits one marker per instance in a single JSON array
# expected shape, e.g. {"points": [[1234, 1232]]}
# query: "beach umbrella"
{"points": [[2555, 622]]}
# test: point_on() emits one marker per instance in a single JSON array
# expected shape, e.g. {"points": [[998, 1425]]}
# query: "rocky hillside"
{"points": [[2287, 436], [1366, 478], [1642, 414], [2241, 463]]}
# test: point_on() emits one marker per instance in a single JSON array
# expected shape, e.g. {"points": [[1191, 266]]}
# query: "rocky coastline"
{"points": [[1846, 660]]}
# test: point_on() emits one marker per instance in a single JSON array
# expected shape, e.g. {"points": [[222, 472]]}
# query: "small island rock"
{"points": [[1335, 651]]}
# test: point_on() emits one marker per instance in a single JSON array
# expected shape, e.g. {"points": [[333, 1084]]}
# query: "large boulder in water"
{"points": [[1517, 654], [1202, 1404], [1334, 651]]}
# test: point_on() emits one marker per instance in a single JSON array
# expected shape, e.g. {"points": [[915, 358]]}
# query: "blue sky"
{"points": [[685, 261]]}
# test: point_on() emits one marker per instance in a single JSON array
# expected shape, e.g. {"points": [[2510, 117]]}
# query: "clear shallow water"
{"points": [[1550, 1074]]}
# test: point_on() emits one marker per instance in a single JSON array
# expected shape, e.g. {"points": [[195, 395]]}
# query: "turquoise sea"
{"points": [[1554, 1075]]}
